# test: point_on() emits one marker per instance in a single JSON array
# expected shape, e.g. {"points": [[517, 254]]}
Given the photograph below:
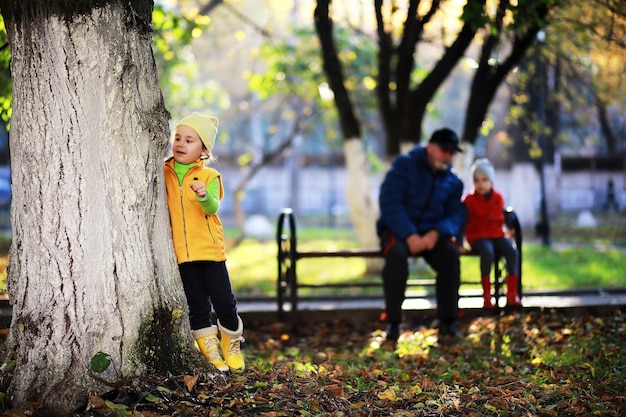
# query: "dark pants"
{"points": [[443, 258], [487, 250], [207, 286]]}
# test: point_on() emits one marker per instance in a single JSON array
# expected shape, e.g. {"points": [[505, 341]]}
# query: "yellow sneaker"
{"points": [[208, 344], [230, 344]]}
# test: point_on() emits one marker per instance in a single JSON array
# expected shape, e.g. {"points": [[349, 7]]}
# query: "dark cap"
{"points": [[446, 138]]}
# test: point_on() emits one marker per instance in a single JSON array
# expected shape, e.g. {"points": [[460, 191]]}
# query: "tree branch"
{"points": [[350, 126], [212, 4]]}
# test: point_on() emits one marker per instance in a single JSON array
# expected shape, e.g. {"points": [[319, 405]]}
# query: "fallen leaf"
{"points": [[190, 382], [387, 394], [96, 403]]}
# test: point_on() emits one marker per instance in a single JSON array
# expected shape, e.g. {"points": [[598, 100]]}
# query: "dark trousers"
{"points": [[487, 250], [207, 286], [443, 258]]}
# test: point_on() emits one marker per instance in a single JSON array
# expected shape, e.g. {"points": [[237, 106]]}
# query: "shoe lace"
{"points": [[212, 349], [234, 348]]}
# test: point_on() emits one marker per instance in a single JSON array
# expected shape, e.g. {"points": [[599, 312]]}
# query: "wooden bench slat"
{"points": [[354, 253], [347, 253], [410, 283], [342, 285]]}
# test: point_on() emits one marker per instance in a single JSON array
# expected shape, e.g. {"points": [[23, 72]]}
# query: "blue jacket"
{"points": [[414, 199]]}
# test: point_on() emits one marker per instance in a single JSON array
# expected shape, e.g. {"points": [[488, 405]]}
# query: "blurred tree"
{"points": [[293, 76], [403, 93], [576, 66], [506, 37], [293, 69], [504, 30], [180, 77], [5, 94], [583, 68], [206, 9]]}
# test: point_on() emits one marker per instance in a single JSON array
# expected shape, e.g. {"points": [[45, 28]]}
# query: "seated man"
{"points": [[420, 211]]}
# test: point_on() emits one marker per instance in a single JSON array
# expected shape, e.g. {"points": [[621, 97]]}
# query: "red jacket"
{"points": [[485, 216]]}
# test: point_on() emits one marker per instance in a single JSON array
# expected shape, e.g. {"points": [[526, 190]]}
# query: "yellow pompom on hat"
{"points": [[205, 126]]}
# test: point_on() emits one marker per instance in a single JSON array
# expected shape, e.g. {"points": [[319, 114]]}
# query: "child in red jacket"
{"points": [[485, 232]]}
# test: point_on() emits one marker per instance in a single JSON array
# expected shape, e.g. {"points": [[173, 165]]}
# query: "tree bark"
{"points": [[488, 77], [91, 266], [350, 125], [363, 209], [605, 126], [422, 95]]}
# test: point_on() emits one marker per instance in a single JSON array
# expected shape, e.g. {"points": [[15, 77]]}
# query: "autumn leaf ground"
{"points": [[528, 363], [562, 362]]}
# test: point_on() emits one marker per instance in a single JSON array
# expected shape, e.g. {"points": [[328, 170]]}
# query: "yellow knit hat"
{"points": [[205, 126]]}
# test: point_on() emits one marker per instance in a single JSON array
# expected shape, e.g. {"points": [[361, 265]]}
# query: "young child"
{"points": [[194, 192], [484, 231]]}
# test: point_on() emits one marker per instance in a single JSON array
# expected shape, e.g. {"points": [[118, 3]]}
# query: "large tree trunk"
{"points": [[363, 211], [92, 267], [363, 207]]}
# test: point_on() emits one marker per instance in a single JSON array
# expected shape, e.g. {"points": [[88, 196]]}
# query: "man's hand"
{"points": [[199, 188], [431, 239], [417, 243]]}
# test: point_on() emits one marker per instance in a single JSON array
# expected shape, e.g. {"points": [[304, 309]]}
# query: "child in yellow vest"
{"points": [[194, 192]]}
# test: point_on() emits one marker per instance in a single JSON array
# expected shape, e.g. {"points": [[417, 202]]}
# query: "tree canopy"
{"points": [[504, 30]]}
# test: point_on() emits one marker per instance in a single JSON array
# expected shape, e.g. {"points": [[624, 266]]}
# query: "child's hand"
{"points": [[509, 233], [463, 250], [199, 188]]}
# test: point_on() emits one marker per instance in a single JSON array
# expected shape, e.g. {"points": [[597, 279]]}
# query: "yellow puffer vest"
{"points": [[197, 236]]}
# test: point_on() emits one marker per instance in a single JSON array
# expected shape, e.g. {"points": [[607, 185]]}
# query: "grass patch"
{"points": [[573, 267], [592, 258], [253, 268], [579, 258], [610, 230]]}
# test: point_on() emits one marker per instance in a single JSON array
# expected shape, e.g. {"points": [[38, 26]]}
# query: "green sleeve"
{"points": [[211, 202]]}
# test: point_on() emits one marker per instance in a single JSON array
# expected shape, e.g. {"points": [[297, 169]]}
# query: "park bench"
{"points": [[288, 255]]}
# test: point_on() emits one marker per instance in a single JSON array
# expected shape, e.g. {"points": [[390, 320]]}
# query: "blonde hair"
{"points": [[210, 158]]}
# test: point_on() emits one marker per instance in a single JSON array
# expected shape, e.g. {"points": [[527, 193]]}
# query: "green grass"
{"points": [[253, 267], [573, 267], [578, 258]]}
